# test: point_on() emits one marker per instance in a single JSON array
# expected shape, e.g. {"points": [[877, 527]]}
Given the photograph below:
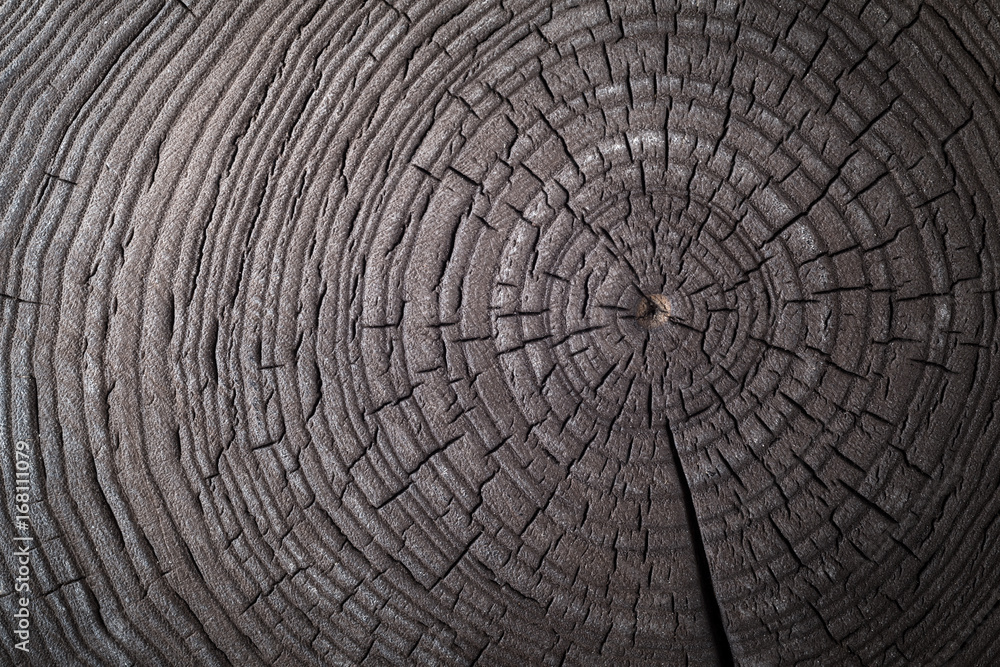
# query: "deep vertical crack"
{"points": [[712, 608]]}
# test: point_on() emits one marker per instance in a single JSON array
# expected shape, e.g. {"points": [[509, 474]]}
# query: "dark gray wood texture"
{"points": [[502, 332]]}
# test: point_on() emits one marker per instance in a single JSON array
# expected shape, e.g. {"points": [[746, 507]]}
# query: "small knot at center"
{"points": [[653, 310]]}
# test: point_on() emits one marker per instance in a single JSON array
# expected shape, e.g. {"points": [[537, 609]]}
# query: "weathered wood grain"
{"points": [[502, 332]]}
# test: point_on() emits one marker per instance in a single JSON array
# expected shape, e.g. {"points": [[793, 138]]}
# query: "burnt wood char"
{"points": [[503, 332]]}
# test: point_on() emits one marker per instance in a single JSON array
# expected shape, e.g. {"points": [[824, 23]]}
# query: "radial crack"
{"points": [[712, 608]]}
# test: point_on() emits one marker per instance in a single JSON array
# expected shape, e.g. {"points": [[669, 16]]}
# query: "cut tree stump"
{"points": [[500, 332]]}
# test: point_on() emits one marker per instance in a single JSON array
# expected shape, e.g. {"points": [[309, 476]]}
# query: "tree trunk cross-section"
{"points": [[501, 332]]}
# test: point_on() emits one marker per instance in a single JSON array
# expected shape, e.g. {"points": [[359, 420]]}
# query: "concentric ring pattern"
{"points": [[505, 332]]}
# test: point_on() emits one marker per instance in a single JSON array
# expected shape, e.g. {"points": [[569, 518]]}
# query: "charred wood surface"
{"points": [[502, 332]]}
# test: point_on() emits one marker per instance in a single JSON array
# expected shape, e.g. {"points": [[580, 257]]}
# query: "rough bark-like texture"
{"points": [[504, 332]]}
